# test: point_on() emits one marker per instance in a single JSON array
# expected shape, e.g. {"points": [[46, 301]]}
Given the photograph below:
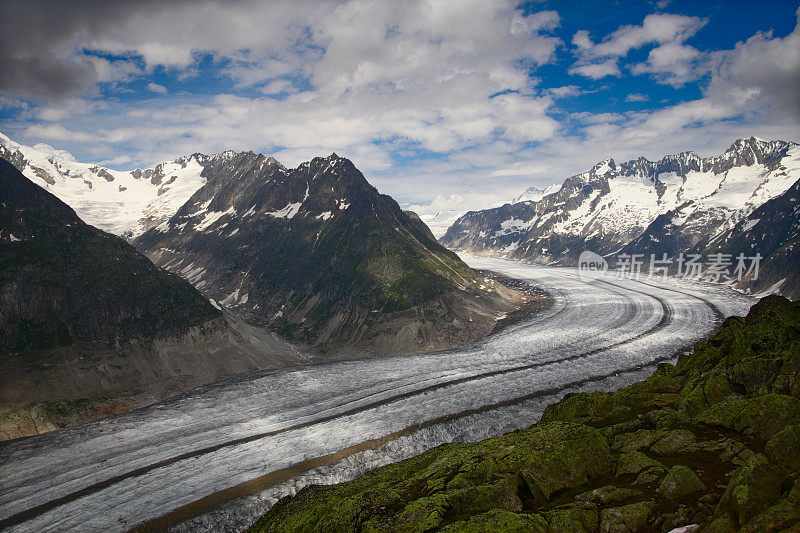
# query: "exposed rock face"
{"points": [[679, 204], [83, 315], [773, 230], [710, 444], [64, 281], [317, 254]]}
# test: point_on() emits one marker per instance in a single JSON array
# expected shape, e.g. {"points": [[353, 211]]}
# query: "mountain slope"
{"points": [[83, 315], [709, 442], [320, 256], [772, 230], [122, 203], [610, 205], [64, 281]]}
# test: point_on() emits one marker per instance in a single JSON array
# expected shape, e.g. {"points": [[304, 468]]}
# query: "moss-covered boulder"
{"points": [[784, 448], [609, 495], [680, 481], [676, 441], [764, 415], [627, 518], [783, 516], [649, 476], [635, 462], [574, 517], [499, 520], [754, 487]]}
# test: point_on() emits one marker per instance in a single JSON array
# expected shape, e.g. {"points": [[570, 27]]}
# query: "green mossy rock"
{"points": [[676, 441], [784, 448], [499, 520], [638, 440], [667, 418], [755, 486], [576, 517], [763, 415], [681, 517], [626, 519], [610, 496], [635, 462], [729, 450], [680, 481], [649, 476], [784, 516], [579, 408], [702, 394], [721, 524]]}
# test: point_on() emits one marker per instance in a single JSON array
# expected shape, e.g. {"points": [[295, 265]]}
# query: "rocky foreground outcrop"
{"points": [[712, 442]]}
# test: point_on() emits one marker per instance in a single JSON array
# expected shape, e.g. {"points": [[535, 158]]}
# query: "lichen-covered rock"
{"points": [[680, 481], [634, 462], [610, 495], [678, 520], [667, 418], [783, 516], [754, 487], [700, 394], [784, 448], [649, 476], [579, 408], [728, 450], [574, 517], [764, 415], [638, 440], [722, 523], [676, 441], [581, 455], [499, 520], [626, 519]]}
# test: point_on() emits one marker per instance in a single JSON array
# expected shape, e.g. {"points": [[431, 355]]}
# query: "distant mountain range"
{"points": [[679, 204]]}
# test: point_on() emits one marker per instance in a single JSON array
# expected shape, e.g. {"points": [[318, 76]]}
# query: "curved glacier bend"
{"points": [[115, 473]]}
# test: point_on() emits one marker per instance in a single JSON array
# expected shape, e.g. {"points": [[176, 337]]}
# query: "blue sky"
{"points": [[444, 105]]}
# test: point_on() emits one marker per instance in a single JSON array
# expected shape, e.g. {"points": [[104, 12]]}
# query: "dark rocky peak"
{"points": [[19, 194], [640, 167], [748, 152], [77, 282], [243, 185], [272, 162], [597, 176], [602, 168], [680, 164]]}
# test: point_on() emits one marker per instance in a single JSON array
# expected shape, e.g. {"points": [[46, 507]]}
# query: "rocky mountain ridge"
{"points": [[679, 202], [125, 203], [319, 255]]}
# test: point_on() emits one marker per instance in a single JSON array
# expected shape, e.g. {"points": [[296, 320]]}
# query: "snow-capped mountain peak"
{"points": [[125, 203], [534, 194], [609, 205]]}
